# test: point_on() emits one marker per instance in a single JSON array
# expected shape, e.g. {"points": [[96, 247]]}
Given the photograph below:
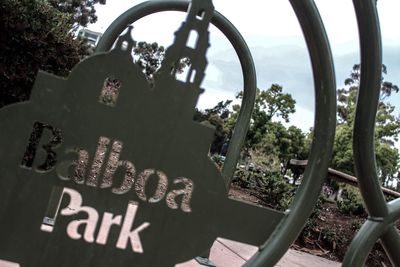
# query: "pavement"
{"points": [[227, 253]]}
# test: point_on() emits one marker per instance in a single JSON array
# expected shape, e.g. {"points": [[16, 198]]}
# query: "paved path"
{"points": [[227, 253]]}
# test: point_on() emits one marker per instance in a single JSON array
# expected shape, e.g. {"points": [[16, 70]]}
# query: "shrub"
{"points": [[277, 192], [34, 36], [311, 223], [218, 160], [330, 236], [356, 225], [351, 202]]}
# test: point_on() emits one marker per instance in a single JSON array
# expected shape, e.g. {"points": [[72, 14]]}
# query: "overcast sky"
{"points": [[273, 34]]}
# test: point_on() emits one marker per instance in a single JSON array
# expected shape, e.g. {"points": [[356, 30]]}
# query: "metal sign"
{"points": [[100, 169]]}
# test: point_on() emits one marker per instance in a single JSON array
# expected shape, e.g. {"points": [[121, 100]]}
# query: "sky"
{"points": [[274, 36]]}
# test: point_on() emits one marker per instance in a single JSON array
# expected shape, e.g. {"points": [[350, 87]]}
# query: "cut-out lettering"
{"points": [[34, 141], [112, 165], [108, 220], [4, 263], [128, 178], [161, 189], [90, 223], [52, 209], [76, 170], [186, 192], [78, 165], [75, 207], [98, 161], [127, 234]]}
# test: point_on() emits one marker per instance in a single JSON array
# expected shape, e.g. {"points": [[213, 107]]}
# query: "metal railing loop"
{"points": [[235, 38], [363, 143], [325, 119]]}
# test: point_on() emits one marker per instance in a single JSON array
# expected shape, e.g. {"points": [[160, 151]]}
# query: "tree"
{"points": [[34, 35], [268, 138], [387, 158], [269, 103], [343, 149], [347, 97], [387, 128], [82, 12], [216, 117], [149, 57], [284, 143], [264, 134], [276, 103]]}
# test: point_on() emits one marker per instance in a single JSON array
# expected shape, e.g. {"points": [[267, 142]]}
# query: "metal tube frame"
{"points": [[382, 215], [238, 43], [325, 119], [324, 131]]}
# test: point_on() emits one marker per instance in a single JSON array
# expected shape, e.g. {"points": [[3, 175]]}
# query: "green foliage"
{"points": [[387, 128], [33, 36], [149, 57], [269, 103], [311, 222], [347, 97], [343, 149], [335, 239], [81, 12], [285, 143], [215, 117], [218, 160], [387, 123], [271, 141], [356, 225], [279, 193], [272, 137], [387, 159], [351, 202], [330, 236], [274, 103], [264, 177]]}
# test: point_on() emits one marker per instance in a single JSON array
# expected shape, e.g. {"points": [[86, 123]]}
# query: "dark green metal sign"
{"points": [[101, 170]]}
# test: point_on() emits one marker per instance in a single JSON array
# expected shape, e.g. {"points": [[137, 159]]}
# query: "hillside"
{"points": [[328, 233]]}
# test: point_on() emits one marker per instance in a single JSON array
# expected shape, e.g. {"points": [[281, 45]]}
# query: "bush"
{"points": [[351, 202], [34, 36], [356, 225], [218, 160], [311, 223], [330, 236], [277, 192]]}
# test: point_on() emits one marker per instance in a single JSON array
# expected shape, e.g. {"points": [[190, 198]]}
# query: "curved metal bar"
{"points": [[325, 107], [364, 126], [238, 43], [368, 235], [325, 124], [367, 104]]}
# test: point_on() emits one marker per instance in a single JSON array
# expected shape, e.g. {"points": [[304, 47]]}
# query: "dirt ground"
{"points": [[331, 235]]}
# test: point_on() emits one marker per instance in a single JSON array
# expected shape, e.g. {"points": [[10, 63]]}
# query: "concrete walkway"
{"points": [[227, 253]]}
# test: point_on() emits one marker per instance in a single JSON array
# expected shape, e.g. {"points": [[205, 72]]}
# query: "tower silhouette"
{"points": [[191, 41]]}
